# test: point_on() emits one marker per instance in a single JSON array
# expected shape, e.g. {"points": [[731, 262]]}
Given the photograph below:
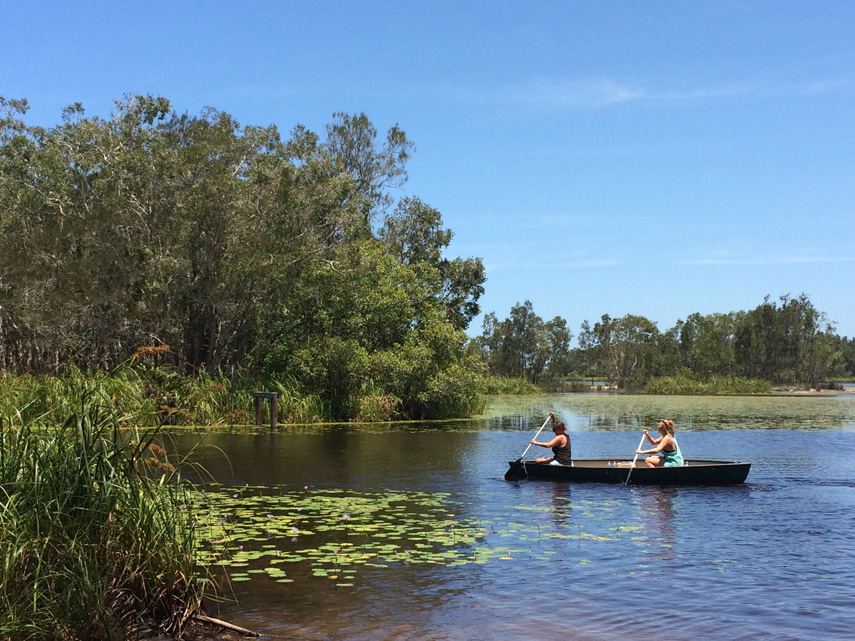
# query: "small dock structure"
{"points": [[259, 398]]}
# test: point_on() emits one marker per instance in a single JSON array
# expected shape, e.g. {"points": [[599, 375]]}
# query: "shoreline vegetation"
{"points": [[152, 397], [229, 260], [717, 386], [232, 256], [98, 531], [147, 396], [98, 534]]}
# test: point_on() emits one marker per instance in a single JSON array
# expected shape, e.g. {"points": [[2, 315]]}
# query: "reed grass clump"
{"points": [[495, 385], [718, 386], [97, 538], [154, 395]]}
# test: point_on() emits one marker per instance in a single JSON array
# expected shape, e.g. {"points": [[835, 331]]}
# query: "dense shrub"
{"points": [[494, 385]]}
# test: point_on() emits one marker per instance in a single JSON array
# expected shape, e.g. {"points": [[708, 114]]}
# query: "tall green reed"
{"points": [[154, 396], [97, 537]]}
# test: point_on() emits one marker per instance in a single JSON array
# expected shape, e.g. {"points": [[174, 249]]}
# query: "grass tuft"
{"points": [[97, 538]]}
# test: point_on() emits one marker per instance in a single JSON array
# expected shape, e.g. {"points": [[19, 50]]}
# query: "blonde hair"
{"points": [[669, 425]]}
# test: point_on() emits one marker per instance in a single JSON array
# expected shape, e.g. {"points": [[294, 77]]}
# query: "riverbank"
{"points": [[812, 392]]}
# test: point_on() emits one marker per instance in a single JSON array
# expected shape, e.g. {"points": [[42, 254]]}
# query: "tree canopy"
{"points": [[231, 245]]}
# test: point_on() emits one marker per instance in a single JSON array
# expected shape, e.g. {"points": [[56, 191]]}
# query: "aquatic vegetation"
{"points": [[332, 530], [288, 535]]}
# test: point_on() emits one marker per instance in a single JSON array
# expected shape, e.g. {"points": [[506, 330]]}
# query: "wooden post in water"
{"points": [[273, 397], [257, 407], [274, 410]]}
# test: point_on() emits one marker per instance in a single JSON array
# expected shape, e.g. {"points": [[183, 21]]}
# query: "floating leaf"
{"points": [[336, 531]]}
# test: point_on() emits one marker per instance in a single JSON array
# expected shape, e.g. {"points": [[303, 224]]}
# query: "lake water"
{"points": [[409, 531]]}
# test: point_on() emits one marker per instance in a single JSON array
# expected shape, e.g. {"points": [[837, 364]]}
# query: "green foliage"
{"points": [[524, 346], [846, 366], [152, 396], [495, 385], [717, 386], [791, 343], [372, 407], [427, 376], [352, 141], [96, 534], [706, 344], [229, 245], [374, 340], [413, 234], [628, 348]]}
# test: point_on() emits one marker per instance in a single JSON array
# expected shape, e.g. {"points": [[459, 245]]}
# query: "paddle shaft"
{"points": [[535, 437], [640, 443]]}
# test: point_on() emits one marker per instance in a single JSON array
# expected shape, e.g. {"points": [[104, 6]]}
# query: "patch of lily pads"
{"points": [[333, 533]]}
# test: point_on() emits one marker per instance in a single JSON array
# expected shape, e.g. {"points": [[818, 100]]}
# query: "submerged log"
{"points": [[225, 624]]}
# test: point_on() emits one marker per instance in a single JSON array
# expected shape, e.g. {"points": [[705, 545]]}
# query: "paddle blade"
{"points": [[516, 471]]}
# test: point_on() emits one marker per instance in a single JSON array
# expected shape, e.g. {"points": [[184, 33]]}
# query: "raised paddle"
{"points": [[640, 443], [516, 466]]}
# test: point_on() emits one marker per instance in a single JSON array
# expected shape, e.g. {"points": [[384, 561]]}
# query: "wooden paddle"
{"points": [[514, 471], [640, 443]]}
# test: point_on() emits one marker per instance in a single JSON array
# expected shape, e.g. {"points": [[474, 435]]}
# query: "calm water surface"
{"points": [[773, 559]]}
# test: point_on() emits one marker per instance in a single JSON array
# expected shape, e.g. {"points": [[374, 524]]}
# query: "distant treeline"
{"points": [[199, 245], [784, 342]]}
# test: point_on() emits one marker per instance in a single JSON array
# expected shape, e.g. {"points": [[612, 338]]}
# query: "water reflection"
{"points": [[656, 510], [562, 506]]}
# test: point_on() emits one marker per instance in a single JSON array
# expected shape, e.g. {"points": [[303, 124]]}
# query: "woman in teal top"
{"points": [[667, 452]]}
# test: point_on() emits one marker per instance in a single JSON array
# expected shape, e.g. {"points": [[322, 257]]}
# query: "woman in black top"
{"points": [[560, 445]]}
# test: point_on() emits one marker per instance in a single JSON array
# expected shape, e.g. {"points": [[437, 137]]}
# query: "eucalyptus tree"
{"points": [[627, 347], [16, 144], [558, 337], [151, 227], [264, 215], [846, 366], [847, 350], [706, 344], [790, 343], [78, 195], [588, 349], [352, 141], [230, 245], [524, 346], [370, 326], [413, 233]]}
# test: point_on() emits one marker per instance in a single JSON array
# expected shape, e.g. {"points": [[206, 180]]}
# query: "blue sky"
{"points": [[605, 156]]}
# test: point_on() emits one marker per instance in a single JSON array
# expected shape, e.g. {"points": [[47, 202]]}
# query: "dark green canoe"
{"points": [[694, 472]]}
